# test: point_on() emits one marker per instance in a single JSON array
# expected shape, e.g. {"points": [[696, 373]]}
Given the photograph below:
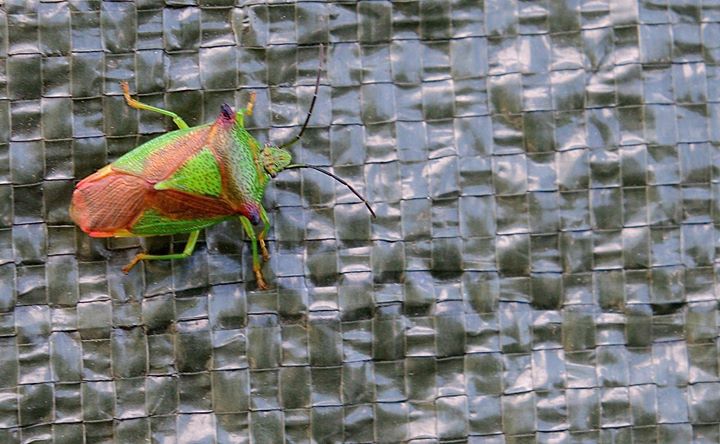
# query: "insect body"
{"points": [[183, 181]]}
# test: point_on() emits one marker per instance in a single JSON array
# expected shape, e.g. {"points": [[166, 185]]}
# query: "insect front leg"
{"points": [[139, 105], [247, 225], [263, 234], [187, 251]]}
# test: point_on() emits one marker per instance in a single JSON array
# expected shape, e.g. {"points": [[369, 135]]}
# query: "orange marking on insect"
{"points": [[104, 171], [118, 233]]}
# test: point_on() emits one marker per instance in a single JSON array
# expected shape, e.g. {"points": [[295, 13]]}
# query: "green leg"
{"points": [[187, 251], [263, 233], [256, 259], [246, 111], [139, 105]]}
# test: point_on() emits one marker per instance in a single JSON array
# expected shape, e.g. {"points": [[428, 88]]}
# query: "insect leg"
{"points": [[263, 233], [256, 259], [187, 251], [246, 111], [139, 105]]}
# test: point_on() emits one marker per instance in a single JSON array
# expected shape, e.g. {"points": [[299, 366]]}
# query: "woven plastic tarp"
{"points": [[543, 267]]}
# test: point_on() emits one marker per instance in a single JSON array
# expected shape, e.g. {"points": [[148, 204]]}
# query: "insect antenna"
{"points": [[339, 179], [302, 130], [312, 103]]}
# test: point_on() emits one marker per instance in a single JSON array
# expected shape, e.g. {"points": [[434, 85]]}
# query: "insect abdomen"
{"points": [[152, 223]]}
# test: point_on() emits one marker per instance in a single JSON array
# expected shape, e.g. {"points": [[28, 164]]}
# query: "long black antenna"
{"points": [[312, 104], [342, 181]]}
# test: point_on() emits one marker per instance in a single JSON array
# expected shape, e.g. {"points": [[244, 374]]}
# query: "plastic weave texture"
{"points": [[543, 267]]}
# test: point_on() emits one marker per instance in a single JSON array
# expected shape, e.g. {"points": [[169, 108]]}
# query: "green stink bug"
{"points": [[186, 180]]}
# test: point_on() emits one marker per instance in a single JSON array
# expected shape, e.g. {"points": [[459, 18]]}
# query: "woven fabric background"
{"points": [[542, 269]]}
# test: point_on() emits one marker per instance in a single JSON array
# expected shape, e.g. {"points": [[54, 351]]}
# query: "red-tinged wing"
{"points": [[109, 202], [180, 205], [105, 203], [159, 158]]}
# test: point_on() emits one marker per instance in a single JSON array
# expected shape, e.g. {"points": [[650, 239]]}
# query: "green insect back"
{"points": [[199, 175]]}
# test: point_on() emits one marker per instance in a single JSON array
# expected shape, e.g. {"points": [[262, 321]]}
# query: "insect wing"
{"points": [[106, 203], [159, 158]]}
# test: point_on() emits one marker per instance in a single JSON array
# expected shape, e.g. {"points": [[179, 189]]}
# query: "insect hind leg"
{"points": [[139, 105], [187, 251]]}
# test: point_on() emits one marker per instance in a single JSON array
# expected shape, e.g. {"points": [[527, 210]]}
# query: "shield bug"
{"points": [[186, 180]]}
